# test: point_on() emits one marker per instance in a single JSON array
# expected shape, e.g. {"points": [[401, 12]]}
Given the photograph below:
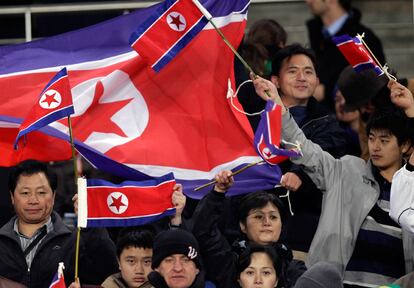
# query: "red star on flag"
{"points": [[267, 153], [117, 202], [98, 117], [50, 99], [175, 20]]}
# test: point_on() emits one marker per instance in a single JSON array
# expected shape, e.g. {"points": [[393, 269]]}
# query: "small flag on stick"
{"points": [[54, 103], [58, 280], [267, 136], [357, 54], [130, 203]]}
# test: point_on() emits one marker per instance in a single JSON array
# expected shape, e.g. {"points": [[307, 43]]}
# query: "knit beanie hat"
{"points": [[358, 88], [320, 275], [175, 241]]}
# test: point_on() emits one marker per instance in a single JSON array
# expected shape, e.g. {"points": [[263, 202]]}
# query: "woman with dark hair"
{"points": [[264, 39], [260, 266], [261, 216]]}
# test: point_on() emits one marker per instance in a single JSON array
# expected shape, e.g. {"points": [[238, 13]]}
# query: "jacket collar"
{"points": [[58, 225]]}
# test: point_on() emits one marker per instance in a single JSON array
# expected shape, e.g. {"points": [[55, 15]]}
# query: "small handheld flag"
{"points": [[58, 280], [130, 203], [267, 136], [356, 53], [54, 103], [167, 32]]}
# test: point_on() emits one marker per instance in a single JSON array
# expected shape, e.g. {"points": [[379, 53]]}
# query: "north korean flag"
{"points": [[167, 32], [58, 280], [54, 103], [267, 137], [356, 53], [130, 203], [129, 118]]}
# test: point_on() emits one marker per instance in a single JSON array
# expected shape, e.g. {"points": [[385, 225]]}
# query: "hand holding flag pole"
{"points": [[232, 174]]}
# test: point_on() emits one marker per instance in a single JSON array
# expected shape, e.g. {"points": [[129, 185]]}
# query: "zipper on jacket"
{"points": [[28, 277]]}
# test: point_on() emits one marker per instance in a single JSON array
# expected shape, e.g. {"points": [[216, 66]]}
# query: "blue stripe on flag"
{"points": [[146, 183], [142, 28], [133, 221], [56, 115], [180, 44], [62, 73]]}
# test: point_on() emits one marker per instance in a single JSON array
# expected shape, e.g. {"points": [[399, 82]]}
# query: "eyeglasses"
{"points": [[261, 216]]}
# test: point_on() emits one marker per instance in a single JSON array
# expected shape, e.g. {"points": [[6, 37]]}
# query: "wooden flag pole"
{"points": [[383, 68], [210, 19], [75, 173], [232, 174]]}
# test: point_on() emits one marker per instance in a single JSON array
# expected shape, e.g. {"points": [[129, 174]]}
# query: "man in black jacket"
{"points": [[295, 74], [34, 241], [334, 18]]}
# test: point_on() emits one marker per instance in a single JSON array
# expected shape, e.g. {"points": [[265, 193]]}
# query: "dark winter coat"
{"points": [[220, 258], [97, 255], [330, 60]]}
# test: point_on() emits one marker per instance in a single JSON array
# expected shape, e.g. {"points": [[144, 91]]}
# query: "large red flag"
{"points": [[178, 120]]}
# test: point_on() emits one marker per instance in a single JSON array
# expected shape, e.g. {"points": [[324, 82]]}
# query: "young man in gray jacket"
{"points": [[355, 231]]}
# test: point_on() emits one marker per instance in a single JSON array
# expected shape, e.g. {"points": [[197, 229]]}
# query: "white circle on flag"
{"points": [[267, 153], [117, 202], [51, 99], [176, 21]]}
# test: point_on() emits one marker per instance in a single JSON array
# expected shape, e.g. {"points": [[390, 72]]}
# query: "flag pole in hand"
{"points": [[232, 174]]}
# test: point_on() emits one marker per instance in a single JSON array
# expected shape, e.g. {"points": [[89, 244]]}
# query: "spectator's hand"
{"points": [[291, 181], [75, 285], [178, 199], [402, 97], [75, 203], [224, 181], [267, 90]]}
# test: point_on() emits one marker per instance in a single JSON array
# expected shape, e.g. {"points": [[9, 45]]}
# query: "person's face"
{"points": [[297, 80], [260, 273], [263, 225], [384, 151], [341, 114], [178, 271], [33, 199], [135, 265], [317, 7]]}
